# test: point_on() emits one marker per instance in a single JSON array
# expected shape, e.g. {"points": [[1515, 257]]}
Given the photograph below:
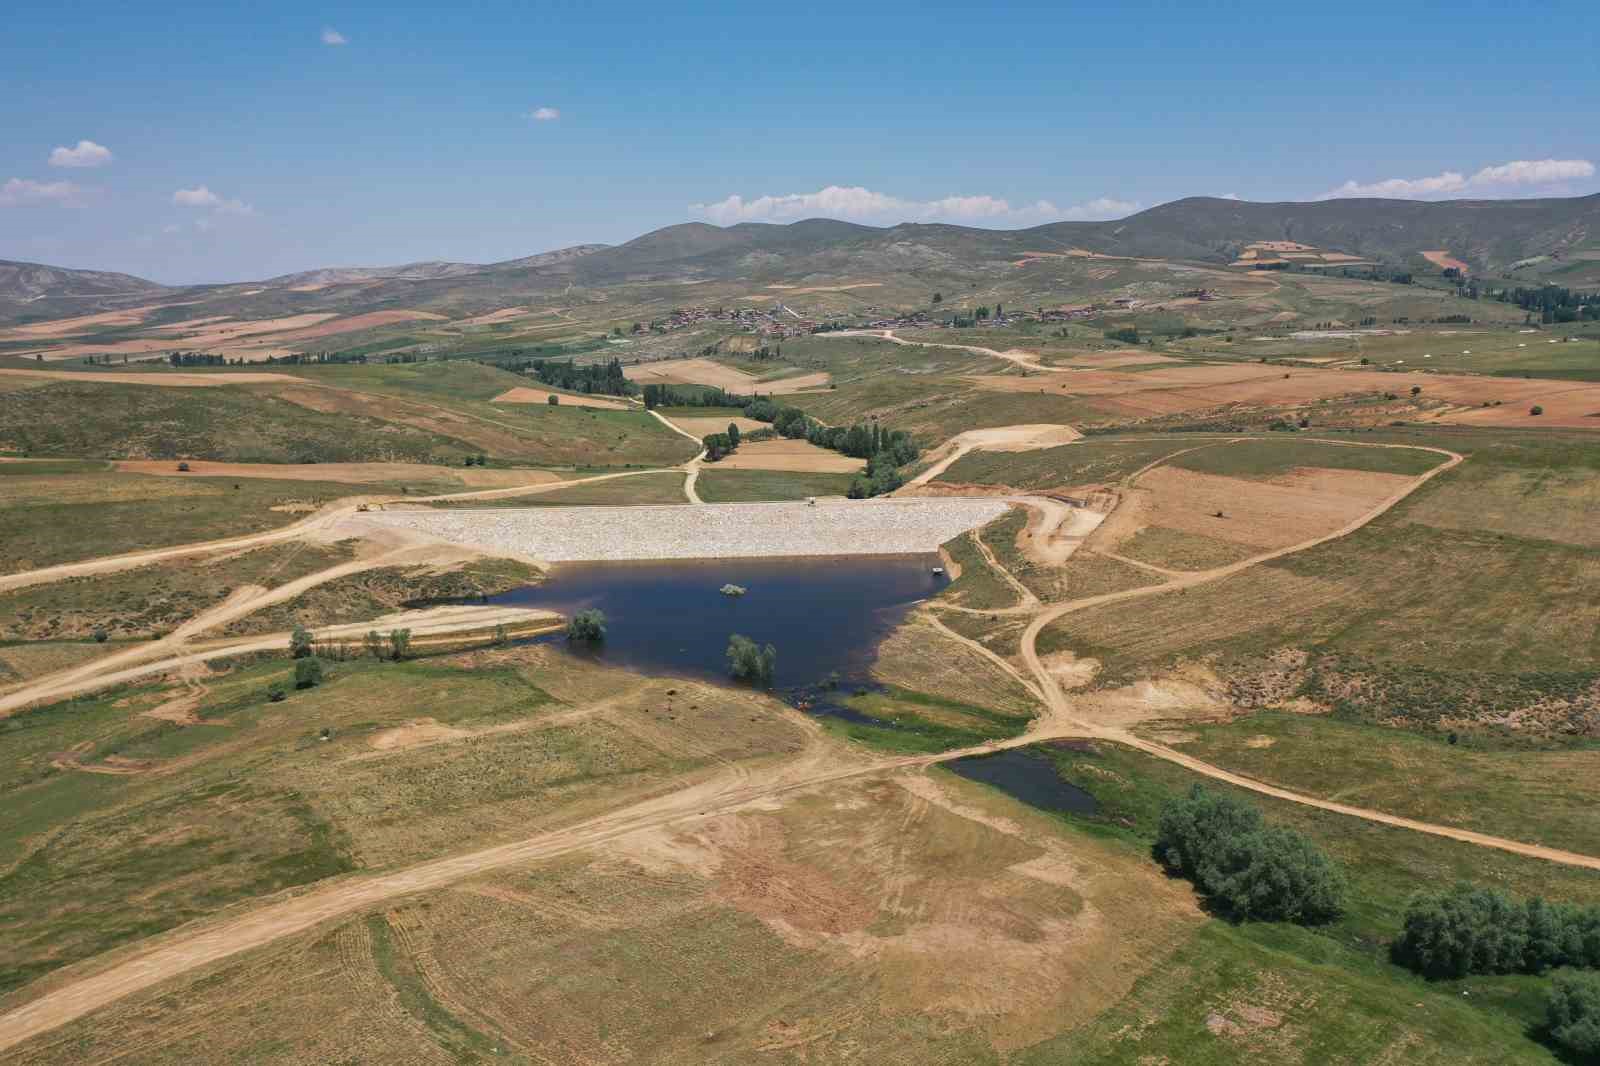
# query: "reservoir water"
{"points": [[1028, 777], [825, 617]]}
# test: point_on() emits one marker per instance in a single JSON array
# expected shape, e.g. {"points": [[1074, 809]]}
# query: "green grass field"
{"points": [[1306, 995], [737, 486], [152, 599], [635, 489], [62, 518]]}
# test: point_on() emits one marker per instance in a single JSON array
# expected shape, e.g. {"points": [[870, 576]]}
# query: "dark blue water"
{"points": [[825, 617], [1028, 777]]}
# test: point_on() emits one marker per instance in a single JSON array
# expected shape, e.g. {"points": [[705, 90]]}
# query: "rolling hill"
{"points": [[1542, 239]]}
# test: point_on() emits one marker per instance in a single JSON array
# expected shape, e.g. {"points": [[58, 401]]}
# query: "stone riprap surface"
{"points": [[712, 531]]}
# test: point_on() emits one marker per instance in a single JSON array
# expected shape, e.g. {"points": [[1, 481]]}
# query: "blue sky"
{"points": [[206, 142]]}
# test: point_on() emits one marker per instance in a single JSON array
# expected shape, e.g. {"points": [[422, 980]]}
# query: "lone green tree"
{"points": [[300, 642], [399, 644], [748, 661], [587, 627], [308, 672]]}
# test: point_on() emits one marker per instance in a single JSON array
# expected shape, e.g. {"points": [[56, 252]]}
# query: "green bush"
{"points": [[1469, 930], [308, 672], [747, 661], [1245, 868], [587, 627], [300, 642], [1573, 1015]]}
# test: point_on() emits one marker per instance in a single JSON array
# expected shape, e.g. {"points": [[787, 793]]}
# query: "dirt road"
{"points": [[1026, 360], [822, 763], [1001, 439], [691, 469]]}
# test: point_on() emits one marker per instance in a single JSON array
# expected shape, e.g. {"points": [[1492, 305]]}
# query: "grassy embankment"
{"points": [[1245, 992], [1465, 607], [119, 825]]}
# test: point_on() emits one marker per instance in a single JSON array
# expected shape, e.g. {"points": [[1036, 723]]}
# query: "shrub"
{"points": [[183, 468], [554, 400], [300, 642], [100, 635], [587, 627], [1469, 930], [1246, 868], [1126, 336], [1573, 1015], [308, 672], [372, 644], [1536, 410], [275, 694], [399, 644], [747, 661]]}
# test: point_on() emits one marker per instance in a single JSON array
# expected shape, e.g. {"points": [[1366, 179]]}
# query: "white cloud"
{"points": [[86, 154], [544, 114], [1231, 196], [201, 196], [857, 202], [333, 38], [21, 191], [1521, 172], [1096, 210], [1534, 172]]}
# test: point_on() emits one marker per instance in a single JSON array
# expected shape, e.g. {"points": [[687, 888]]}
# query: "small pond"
{"points": [[1028, 777], [825, 617]]}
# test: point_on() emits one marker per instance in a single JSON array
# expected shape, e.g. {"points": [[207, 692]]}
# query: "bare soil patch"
{"points": [[1263, 514], [706, 372], [178, 380], [493, 317], [789, 455], [1112, 360], [420, 731], [703, 427], [66, 327], [358, 322], [1445, 261], [527, 395]]}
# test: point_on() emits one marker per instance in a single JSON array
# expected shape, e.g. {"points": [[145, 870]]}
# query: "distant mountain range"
{"points": [[1489, 235]]}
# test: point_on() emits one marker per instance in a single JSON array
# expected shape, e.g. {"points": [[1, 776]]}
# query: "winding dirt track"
{"points": [[213, 940], [1027, 360], [691, 469]]}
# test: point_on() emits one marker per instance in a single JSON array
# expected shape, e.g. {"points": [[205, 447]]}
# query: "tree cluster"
{"points": [[748, 661], [1572, 1015], [1469, 930], [884, 449], [605, 379], [718, 445], [1553, 303], [696, 396], [1246, 868]]}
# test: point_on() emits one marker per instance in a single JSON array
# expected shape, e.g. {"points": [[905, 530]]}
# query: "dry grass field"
{"points": [[717, 375], [797, 455], [499, 849]]}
